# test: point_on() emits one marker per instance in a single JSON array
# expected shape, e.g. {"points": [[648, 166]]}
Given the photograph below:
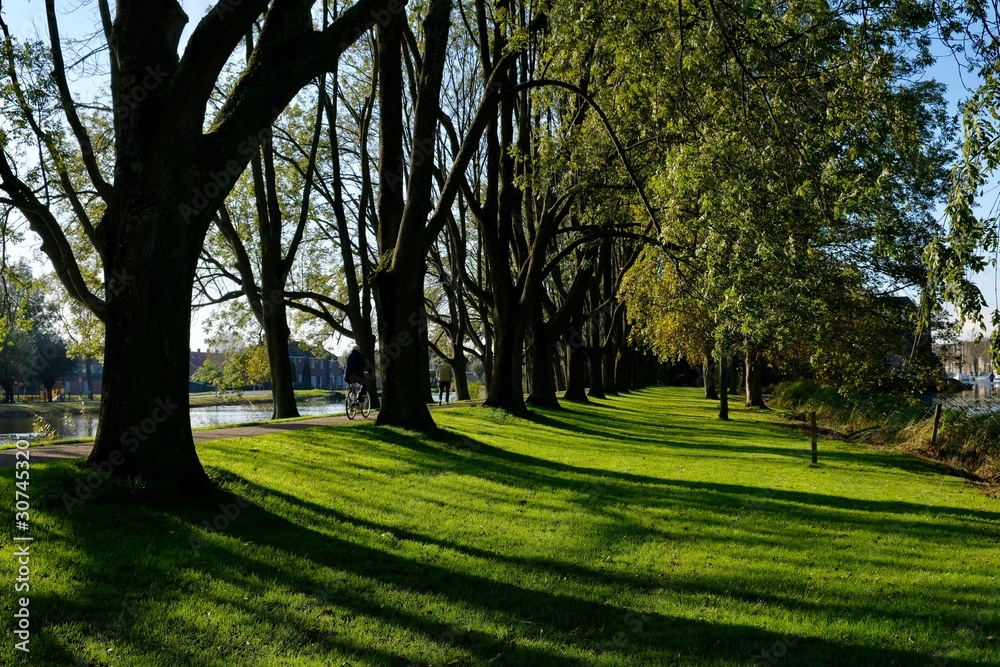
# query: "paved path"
{"points": [[42, 453]]}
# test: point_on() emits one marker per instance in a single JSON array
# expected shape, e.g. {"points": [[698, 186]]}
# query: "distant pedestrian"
{"points": [[992, 377], [445, 374]]}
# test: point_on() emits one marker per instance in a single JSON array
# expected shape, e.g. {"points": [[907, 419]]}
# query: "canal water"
{"points": [[74, 424], [981, 396]]}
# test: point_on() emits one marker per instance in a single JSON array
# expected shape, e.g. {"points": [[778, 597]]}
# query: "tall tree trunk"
{"points": [[576, 362], [541, 363], [506, 390], [708, 372], [621, 373], [404, 368], [622, 369], [596, 364], [734, 378], [724, 387], [8, 391], [276, 337], [576, 372], [610, 354], [145, 429], [402, 322], [488, 354], [559, 364], [460, 365], [637, 380], [424, 351], [754, 378]]}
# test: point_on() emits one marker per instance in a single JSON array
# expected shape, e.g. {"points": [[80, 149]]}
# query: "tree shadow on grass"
{"points": [[922, 530], [520, 470], [142, 555], [260, 556], [676, 436]]}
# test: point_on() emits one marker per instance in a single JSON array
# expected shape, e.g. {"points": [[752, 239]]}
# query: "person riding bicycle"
{"points": [[354, 370]]}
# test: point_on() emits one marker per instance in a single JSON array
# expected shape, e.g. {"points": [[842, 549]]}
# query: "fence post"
{"points": [[812, 428], [937, 420]]}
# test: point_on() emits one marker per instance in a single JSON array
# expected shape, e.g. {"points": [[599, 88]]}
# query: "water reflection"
{"points": [[980, 395], [72, 424]]}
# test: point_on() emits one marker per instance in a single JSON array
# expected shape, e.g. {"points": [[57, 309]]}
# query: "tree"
{"points": [[52, 363], [791, 180], [972, 29], [404, 232], [83, 329], [161, 183], [31, 351], [241, 365]]}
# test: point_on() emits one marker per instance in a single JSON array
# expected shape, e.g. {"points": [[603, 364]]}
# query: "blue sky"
{"points": [[78, 18]]}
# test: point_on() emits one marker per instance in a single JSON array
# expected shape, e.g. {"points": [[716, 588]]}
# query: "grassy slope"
{"points": [[638, 531]]}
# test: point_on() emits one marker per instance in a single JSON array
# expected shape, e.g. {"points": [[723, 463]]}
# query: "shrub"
{"points": [[971, 438], [806, 393], [968, 437]]}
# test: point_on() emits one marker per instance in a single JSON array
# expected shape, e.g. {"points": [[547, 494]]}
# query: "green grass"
{"points": [[206, 399], [41, 407], [636, 531]]}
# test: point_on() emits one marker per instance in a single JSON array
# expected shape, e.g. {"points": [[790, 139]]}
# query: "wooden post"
{"points": [[812, 428], [937, 420]]}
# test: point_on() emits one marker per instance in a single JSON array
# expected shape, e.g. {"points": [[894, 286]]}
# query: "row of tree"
{"points": [[518, 183]]}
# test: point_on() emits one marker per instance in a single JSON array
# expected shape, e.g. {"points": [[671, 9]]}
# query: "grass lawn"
{"points": [[634, 531], [207, 399]]}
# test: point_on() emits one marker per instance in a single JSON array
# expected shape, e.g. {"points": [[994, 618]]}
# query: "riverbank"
{"points": [[967, 440], [199, 400]]}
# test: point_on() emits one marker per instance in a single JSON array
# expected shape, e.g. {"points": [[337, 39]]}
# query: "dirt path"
{"points": [[43, 453]]}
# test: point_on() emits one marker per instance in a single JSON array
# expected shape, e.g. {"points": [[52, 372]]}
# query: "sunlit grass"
{"points": [[636, 531]]}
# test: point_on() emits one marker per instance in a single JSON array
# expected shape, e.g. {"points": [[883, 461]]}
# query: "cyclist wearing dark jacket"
{"points": [[354, 371]]}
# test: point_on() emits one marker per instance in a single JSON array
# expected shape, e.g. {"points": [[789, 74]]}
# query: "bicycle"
{"points": [[357, 400]]}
